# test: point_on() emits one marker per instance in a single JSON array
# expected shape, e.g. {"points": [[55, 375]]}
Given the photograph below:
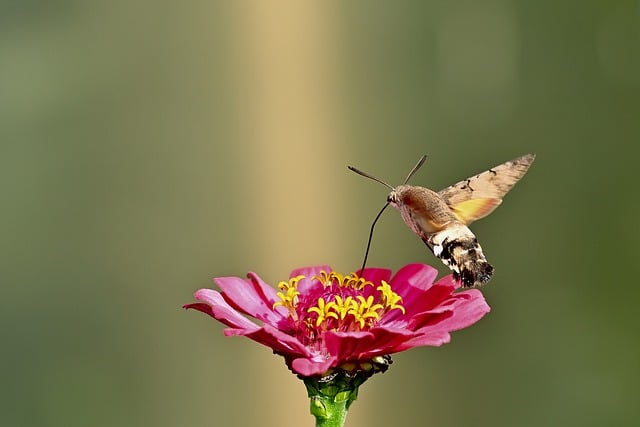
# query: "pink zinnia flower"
{"points": [[320, 320]]}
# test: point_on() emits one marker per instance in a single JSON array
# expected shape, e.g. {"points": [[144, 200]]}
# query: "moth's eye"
{"points": [[392, 197]]}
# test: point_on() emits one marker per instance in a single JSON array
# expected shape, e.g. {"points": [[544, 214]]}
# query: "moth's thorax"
{"points": [[423, 210]]}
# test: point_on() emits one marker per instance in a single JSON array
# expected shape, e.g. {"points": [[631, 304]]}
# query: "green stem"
{"points": [[329, 411], [331, 394]]}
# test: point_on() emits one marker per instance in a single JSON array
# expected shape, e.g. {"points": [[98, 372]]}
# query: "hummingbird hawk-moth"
{"points": [[441, 218]]}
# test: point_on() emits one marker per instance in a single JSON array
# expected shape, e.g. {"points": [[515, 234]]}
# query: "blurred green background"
{"points": [[146, 147]]}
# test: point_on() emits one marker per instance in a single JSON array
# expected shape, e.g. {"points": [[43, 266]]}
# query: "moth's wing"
{"points": [[473, 209], [477, 196]]}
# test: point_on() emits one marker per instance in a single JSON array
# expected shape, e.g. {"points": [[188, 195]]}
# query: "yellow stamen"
{"points": [[365, 310], [342, 306], [289, 295], [323, 310], [324, 278], [344, 281], [391, 299]]}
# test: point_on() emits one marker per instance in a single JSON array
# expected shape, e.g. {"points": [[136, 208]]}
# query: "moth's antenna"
{"points": [[415, 168], [373, 224], [366, 175]]}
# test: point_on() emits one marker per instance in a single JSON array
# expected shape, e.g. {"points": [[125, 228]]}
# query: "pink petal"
{"points": [[428, 319], [267, 292], [412, 281], [310, 367], [252, 297], [310, 271], [215, 306], [275, 339], [418, 301], [362, 345], [375, 275], [388, 339], [469, 307], [429, 338], [448, 280], [414, 276], [306, 284], [348, 345]]}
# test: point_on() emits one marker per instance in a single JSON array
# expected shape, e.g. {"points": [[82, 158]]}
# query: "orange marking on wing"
{"points": [[471, 210]]}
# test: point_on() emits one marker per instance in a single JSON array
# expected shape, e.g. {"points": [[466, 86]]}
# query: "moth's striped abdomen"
{"points": [[459, 249]]}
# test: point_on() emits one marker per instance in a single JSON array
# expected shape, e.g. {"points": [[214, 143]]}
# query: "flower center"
{"points": [[337, 303]]}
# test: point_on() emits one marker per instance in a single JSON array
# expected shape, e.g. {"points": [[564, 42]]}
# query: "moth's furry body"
{"points": [[440, 219]]}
